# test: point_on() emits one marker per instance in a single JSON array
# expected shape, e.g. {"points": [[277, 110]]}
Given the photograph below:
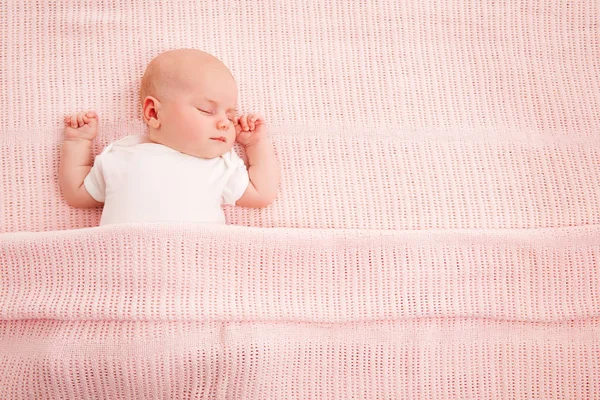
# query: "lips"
{"points": [[222, 139]]}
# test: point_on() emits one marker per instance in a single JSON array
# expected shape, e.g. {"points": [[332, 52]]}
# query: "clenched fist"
{"points": [[250, 129], [83, 125]]}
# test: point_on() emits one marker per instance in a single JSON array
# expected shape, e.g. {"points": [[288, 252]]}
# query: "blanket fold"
{"points": [[204, 273]]}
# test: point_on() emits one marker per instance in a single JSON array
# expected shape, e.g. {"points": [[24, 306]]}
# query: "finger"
{"points": [[258, 119], [73, 121], [80, 119], [252, 120], [92, 118], [244, 122]]}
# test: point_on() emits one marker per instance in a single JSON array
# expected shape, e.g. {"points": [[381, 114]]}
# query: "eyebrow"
{"points": [[214, 102]]}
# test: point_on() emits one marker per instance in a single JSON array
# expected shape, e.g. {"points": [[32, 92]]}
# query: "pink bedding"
{"points": [[436, 233]]}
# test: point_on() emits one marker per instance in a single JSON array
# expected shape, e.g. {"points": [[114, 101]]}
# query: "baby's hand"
{"points": [[83, 125], [250, 129]]}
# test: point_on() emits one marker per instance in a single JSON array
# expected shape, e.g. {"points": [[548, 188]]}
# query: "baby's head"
{"points": [[189, 100]]}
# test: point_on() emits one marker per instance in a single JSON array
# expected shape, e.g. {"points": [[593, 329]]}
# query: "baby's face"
{"points": [[199, 118]]}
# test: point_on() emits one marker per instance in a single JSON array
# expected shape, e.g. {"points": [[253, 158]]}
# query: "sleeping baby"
{"points": [[185, 168]]}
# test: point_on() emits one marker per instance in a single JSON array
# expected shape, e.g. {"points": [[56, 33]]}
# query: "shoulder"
{"points": [[134, 144], [127, 141]]}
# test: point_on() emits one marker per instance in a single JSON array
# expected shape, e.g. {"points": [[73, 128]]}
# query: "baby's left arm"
{"points": [[263, 167]]}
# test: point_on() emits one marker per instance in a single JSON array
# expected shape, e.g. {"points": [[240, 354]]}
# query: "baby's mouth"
{"points": [[222, 139]]}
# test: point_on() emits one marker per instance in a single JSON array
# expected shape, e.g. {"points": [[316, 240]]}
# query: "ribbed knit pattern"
{"points": [[453, 146], [237, 312]]}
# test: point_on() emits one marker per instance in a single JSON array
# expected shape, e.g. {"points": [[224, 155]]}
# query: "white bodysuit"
{"points": [[142, 181]]}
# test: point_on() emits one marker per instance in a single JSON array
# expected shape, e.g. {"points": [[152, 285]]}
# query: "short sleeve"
{"points": [[94, 181], [238, 181]]}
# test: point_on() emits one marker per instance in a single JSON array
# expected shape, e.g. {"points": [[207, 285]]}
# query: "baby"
{"points": [[185, 168]]}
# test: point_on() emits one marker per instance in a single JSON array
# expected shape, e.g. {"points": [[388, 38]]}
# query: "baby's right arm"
{"points": [[75, 159]]}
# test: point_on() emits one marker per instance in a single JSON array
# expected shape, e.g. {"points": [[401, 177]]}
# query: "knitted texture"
{"points": [[452, 145], [188, 311]]}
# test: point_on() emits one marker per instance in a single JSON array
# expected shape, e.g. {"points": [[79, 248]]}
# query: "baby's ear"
{"points": [[150, 112]]}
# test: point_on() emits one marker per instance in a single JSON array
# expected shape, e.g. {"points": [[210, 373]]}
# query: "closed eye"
{"points": [[204, 111]]}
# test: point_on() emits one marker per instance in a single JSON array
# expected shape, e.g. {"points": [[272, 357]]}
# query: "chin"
{"points": [[220, 153], [214, 153]]}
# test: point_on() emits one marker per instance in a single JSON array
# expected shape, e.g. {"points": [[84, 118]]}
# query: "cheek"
{"points": [[196, 125], [175, 115], [187, 119]]}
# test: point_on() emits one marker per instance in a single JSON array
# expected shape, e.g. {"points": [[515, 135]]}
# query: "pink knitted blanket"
{"points": [[436, 233], [190, 311]]}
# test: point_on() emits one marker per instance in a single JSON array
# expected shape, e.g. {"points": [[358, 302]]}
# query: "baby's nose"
{"points": [[223, 124]]}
